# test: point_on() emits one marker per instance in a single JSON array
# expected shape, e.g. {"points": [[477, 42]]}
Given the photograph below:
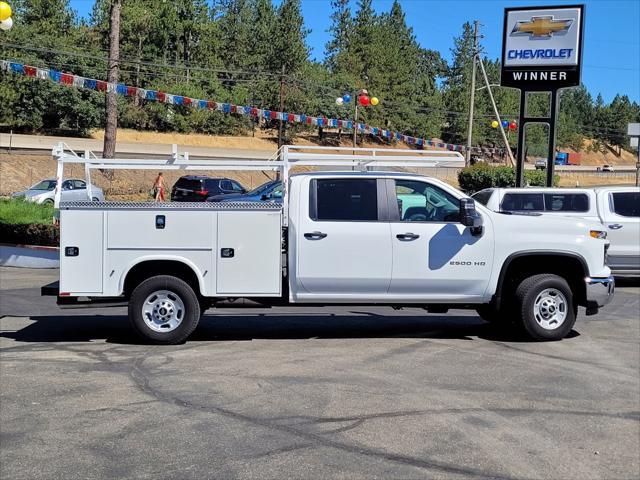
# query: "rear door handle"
{"points": [[315, 235], [407, 236], [615, 226]]}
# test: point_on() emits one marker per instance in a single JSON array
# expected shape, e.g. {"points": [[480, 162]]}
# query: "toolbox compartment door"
{"points": [[81, 251], [248, 253]]}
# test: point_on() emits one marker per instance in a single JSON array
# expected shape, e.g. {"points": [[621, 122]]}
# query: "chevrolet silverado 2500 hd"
{"points": [[342, 237]]}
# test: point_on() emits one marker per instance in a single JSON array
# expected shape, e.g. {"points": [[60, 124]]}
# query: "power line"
{"points": [[138, 62]]}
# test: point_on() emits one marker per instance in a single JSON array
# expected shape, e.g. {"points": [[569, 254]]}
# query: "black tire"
{"points": [[525, 299], [177, 287], [48, 201], [95, 199]]}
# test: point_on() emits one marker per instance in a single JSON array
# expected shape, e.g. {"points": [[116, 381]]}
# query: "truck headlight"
{"points": [[598, 234]]}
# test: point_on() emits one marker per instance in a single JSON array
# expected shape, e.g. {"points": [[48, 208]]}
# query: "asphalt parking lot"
{"points": [[322, 393]]}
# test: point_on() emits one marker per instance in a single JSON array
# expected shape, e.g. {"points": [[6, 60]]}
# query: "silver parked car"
{"points": [[73, 190]]}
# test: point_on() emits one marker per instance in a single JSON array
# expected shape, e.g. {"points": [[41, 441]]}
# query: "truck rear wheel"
{"points": [[164, 310], [546, 307]]}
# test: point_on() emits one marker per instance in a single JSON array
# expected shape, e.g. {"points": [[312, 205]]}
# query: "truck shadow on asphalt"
{"points": [[245, 327]]}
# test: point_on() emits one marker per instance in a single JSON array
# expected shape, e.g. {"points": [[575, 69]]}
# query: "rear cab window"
{"points": [[626, 204], [344, 199]]}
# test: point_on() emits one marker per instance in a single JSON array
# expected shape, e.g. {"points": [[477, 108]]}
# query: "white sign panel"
{"points": [[542, 37], [633, 129]]}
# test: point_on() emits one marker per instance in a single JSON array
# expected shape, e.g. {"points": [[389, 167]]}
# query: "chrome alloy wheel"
{"points": [[163, 311], [550, 308]]}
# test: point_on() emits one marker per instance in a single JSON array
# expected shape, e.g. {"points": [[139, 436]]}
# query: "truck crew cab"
{"points": [[342, 237]]}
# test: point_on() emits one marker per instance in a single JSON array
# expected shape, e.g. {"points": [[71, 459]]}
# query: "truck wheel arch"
{"points": [[151, 266], [571, 266]]}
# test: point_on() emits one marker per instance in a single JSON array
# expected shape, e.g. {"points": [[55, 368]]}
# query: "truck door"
{"points": [[621, 216], [343, 248], [434, 255]]}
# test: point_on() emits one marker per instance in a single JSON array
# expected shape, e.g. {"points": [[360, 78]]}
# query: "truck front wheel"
{"points": [[546, 307], [164, 310]]}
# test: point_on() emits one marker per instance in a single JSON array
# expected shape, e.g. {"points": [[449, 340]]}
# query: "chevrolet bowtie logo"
{"points": [[541, 27]]}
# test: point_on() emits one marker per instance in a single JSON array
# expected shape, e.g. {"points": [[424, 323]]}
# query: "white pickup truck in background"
{"points": [[344, 237], [617, 209]]}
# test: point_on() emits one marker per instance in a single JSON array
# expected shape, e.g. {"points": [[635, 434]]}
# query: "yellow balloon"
{"points": [[494, 124], [5, 11], [374, 101]]}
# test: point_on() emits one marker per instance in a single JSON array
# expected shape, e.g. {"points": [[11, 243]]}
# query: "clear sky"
{"points": [[611, 60]]}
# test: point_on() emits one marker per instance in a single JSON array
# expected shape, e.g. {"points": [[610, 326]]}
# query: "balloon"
{"points": [[339, 101], [5, 12], [513, 126], [494, 124], [505, 123], [374, 101], [346, 98], [6, 24], [364, 100]]}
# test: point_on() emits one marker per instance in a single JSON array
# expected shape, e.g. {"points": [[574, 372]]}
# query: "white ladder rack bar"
{"points": [[288, 157]]}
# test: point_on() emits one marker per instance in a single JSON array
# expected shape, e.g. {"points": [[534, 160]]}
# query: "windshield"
{"points": [[262, 188], [44, 185]]}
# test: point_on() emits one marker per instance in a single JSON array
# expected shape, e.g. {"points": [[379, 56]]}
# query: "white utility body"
{"points": [[359, 236]]}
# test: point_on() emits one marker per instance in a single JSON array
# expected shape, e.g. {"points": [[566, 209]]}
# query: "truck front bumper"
{"points": [[599, 293]]}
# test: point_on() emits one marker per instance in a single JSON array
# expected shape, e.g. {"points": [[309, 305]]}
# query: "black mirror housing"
{"points": [[469, 216]]}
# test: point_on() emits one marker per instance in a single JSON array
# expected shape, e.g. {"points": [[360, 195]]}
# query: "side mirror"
{"points": [[469, 217]]}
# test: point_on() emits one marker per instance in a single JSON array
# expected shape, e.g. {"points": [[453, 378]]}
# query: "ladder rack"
{"points": [[286, 158]]}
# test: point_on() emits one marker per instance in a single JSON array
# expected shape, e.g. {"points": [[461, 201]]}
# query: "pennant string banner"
{"points": [[229, 108]]}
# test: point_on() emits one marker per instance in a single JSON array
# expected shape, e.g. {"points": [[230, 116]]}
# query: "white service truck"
{"points": [[342, 237]]}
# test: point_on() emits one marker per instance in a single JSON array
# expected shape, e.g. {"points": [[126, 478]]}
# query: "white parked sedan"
{"points": [[73, 190]]}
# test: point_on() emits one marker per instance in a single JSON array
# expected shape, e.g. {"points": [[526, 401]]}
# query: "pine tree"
{"points": [[341, 30]]}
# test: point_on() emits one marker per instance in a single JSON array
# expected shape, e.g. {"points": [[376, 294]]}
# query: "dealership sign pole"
{"points": [[541, 52]]}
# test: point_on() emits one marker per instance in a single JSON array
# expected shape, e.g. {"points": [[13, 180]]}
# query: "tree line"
{"points": [[249, 51]]}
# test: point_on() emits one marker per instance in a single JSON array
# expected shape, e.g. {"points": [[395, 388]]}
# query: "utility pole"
{"points": [[495, 110], [355, 123], [281, 108], [473, 92], [111, 106]]}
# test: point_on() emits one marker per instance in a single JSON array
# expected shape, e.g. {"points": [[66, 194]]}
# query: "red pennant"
{"points": [[101, 86], [212, 105], [186, 101], [30, 71], [66, 78], [254, 112], [161, 96]]}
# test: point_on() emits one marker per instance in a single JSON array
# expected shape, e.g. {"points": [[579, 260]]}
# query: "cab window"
{"points": [[344, 199], [482, 196], [519, 202], [566, 202], [423, 202], [626, 204]]}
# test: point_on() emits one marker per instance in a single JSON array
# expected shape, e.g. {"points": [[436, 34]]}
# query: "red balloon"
{"points": [[513, 126], [364, 100]]}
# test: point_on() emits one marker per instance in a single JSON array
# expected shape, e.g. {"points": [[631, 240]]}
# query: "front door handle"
{"points": [[315, 235], [407, 236], [615, 226]]}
